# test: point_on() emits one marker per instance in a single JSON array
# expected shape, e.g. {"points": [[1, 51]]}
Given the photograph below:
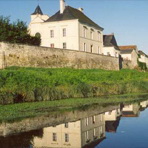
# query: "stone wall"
{"points": [[54, 118], [33, 56]]}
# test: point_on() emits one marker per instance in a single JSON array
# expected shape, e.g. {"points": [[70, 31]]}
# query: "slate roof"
{"points": [[110, 41], [37, 11], [72, 13]]}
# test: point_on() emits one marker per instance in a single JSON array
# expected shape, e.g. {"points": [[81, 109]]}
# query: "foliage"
{"points": [[16, 32], [10, 113], [40, 84], [142, 65]]}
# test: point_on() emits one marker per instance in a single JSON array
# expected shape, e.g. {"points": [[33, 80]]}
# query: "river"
{"points": [[119, 126]]}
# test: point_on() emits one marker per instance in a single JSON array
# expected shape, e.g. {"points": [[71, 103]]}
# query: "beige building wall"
{"points": [[72, 129], [80, 133], [93, 128], [111, 51], [90, 39], [57, 38]]}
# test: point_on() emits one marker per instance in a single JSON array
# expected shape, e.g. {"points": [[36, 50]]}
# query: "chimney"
{"points": [[62, 6], [80, 9]]}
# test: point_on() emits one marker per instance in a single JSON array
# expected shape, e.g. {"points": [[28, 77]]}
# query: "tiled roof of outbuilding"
{"points": [[129, 47], [72, 13], [109, 40]]}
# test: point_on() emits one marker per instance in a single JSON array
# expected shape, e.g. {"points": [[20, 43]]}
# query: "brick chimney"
{"points": [[62, 6]]}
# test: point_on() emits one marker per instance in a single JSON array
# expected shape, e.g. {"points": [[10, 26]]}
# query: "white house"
{"points": [[110, 47], [69, 28], [129, 53], [143, 57]]}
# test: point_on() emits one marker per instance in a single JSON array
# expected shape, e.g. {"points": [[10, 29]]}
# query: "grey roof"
{"points": [[37, 11], [142, 53], [72, 13], [126, 51], [110, 41]]}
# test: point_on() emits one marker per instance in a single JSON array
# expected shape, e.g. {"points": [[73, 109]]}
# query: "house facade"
{"points": [[110, 46], [129, 54], [143, 57], [69, 28], [79, 134]]}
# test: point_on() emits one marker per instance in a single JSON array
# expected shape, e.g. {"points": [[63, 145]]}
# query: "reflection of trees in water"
{"points": [[23, 140]]}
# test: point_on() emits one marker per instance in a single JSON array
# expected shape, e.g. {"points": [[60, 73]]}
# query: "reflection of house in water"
{"points": [[86, 132], [132, 110], [143, 105], [112, 119]]}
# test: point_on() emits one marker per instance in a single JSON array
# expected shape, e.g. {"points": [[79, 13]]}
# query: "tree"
{"points": [[16, 32]]}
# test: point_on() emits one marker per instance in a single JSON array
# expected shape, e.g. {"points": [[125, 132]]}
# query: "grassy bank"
{"points": [[9, 113], [38, 84]]}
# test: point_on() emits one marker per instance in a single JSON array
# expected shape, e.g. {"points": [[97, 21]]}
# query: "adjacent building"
{"points": [[69, 28], [130, 55], [143, 57], [110, 46]]}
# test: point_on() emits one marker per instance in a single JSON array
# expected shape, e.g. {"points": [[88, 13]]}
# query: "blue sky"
{"points": [[127, 19]]}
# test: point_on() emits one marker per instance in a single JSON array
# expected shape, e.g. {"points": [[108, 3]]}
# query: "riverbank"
{"points": [[19, 85], [10, 113]]}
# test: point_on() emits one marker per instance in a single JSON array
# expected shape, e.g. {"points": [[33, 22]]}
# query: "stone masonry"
{"points": [[34, 56]]}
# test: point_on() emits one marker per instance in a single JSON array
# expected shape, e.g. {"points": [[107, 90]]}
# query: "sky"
{"points": [[127, 19]]}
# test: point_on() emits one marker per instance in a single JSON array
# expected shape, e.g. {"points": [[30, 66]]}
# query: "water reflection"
{"points": [[87, 132]]}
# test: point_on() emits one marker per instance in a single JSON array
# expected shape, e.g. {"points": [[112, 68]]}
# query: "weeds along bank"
{"points": [[39, 84]]}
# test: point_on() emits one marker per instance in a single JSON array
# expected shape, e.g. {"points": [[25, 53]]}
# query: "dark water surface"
{"points": [[122, 126]]}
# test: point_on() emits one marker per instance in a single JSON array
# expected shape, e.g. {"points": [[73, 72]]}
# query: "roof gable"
{"points": [[72, 13], [110, 41]]}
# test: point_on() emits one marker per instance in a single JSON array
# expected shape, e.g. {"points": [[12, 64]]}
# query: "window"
{"points": [[86, 135], [52, 45], [108, 53], [64, 45], [92, 34], [116, 54], [85, 47], [66, 137], [99, 36], [64, 32], [86, 121], [66, 125], [94, 132], [38, 35], [93, 119], [54, 137], [52, 33], [84, 31], [91, 48]]}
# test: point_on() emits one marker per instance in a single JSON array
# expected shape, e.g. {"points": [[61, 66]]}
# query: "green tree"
{"points": [[16, 32]]}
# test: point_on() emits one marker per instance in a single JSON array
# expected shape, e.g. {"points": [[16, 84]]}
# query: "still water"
{"points": [[122, 126]]}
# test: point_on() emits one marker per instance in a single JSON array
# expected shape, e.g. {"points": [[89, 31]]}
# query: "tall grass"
{"points": [[39, 84]]}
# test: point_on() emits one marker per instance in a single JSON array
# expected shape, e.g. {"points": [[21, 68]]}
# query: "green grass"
{"points": [[41, 84], [9, 113]]}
